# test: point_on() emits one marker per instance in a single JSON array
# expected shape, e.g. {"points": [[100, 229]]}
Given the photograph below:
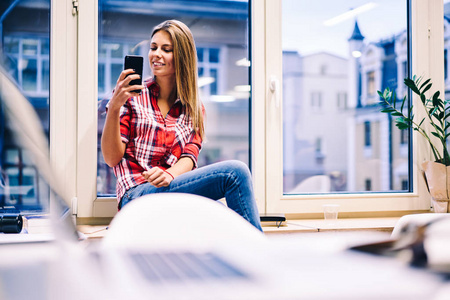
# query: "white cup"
{"points": [[330, 211]]}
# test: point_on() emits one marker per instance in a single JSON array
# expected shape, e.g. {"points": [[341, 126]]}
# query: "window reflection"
{"points": [[25, 54]]}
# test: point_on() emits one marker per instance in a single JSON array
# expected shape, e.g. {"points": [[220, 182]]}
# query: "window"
{"points": [[28, 61], [342, 100], [367, 135], [363, 54], [25, 55], [209, 73], [316, 100], [355, 136], [284, 128], [223, 69], [371, 89]]}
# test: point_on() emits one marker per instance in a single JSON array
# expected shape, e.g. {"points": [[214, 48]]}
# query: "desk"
{"points": [[295, 266]]}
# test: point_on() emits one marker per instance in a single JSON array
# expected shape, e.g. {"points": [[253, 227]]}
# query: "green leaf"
{"points": [[387, 110], [436, 135], [423, 84], [397, 114], [403, 103], [420, 124], [380, 94], [411, 115], [426, 88], [436, 97], [423, 99], [401, 125], [409, 83], [446, 126], [432, 111]]}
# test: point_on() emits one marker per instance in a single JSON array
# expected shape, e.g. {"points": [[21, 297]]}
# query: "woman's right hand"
{"points": [[124, 90]]}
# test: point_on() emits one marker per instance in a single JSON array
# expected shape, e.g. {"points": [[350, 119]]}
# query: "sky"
{"points": [[304, 31]]}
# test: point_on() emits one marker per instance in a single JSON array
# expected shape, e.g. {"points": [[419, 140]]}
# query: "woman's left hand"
{"points": [[157, 177]]}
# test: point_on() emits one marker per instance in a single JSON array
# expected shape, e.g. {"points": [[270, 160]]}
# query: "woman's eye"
{"points": [[153, 48], [167, 50]]}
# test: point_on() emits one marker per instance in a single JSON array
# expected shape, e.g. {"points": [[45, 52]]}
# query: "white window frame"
{"points": [[63, 95], [267, 160], [427, 57]]}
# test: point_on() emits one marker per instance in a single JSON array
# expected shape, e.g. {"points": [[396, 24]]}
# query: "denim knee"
{"points": [[239, 168]]}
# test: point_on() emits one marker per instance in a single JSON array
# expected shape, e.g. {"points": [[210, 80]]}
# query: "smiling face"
{"points": [[160, 55]]}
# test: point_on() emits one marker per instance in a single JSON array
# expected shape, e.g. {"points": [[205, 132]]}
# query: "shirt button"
{"points": [[158, 163]]}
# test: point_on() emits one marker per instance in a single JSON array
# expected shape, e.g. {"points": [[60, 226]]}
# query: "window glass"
{"points": [[334, 62], [24, 42], [220, 30], [214, 55], [45, 75], [101, 78], [30, 47]]}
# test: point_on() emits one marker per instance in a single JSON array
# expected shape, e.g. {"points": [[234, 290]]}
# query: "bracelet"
{"points": [[170, 174]]}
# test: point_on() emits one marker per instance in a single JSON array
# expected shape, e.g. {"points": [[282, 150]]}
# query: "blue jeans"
{"points": [[230, 179]]}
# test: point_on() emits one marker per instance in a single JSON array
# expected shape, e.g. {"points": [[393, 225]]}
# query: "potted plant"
{"points": [[437, 172]]}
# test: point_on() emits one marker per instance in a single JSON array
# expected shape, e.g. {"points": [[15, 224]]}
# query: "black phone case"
{"points": [[136, 63]]}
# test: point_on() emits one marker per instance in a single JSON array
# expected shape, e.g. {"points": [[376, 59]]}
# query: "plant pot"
{"points": [[437, 177]]}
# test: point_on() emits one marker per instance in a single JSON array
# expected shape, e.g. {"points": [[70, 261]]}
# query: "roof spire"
{"points": [[356, 35]]}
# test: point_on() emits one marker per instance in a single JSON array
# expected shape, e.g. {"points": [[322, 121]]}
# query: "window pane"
{"points": [[116, 69], [45, 46], [335, 138], [200, 54], [45, 73], [116, 50], [227, 107], [25, 52], [214, 55], [101, 78], [30, 46], [11, 45], [29, 75]]}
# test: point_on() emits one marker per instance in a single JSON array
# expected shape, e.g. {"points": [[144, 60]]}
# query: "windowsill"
{"points": [[321, 225], [291, 226]]}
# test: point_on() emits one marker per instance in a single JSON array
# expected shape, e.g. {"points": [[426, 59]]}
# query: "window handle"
{"points": [[274, 86]]}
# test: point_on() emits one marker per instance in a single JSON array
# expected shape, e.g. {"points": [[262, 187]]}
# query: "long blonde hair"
{"points": [[185, 61]]}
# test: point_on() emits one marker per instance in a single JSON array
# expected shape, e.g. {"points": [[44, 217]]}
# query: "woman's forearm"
{"points": [[183, 165], [113, 148]]}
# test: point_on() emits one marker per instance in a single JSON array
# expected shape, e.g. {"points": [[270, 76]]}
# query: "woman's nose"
{"points": [[158, 52]]}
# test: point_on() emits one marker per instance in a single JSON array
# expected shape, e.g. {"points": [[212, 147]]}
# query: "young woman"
{"points": [[152, 139]]}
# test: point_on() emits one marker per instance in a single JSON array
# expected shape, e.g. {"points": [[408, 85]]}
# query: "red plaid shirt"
{"points": [[152, 140]]}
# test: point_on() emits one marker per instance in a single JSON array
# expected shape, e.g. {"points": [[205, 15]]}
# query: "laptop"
{"points": [[307, 266]]}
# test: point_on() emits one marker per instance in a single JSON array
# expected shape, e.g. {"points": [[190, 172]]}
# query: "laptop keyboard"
{"points": [[184, 266]]}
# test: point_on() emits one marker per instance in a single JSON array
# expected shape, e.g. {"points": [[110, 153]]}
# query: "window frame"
{"points": [[426, 21], [266, 116], [63, 96]]}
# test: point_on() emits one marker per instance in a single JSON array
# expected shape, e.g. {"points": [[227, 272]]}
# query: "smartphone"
{"points": [[136, 63]]}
